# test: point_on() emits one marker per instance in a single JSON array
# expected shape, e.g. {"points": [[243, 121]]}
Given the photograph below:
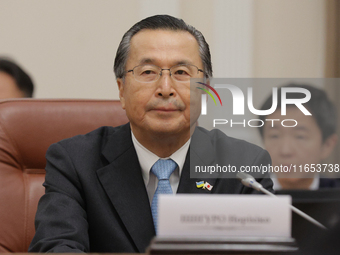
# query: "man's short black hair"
{"points": [[165, 22], [22, 79], [321, 108]]}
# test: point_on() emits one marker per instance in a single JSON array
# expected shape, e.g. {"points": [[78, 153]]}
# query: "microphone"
{"points": [[249, 181]]}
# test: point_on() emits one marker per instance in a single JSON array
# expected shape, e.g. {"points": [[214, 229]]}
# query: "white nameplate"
{"points": [[224, 215]]}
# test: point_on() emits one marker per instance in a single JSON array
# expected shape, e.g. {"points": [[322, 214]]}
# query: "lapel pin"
{"points": [[200, 184], [204, 185], [208, 186]]}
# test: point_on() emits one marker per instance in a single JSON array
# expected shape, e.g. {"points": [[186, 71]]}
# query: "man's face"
{"points": [[298, 145], [8, 87], [161, 107]]}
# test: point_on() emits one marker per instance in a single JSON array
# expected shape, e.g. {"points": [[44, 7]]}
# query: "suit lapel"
{"points": [[123, 182], [200, 153]]}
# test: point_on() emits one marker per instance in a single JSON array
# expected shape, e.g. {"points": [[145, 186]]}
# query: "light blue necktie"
{"points": [[163, 168]]}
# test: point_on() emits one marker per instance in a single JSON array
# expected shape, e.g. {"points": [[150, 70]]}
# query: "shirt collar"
{"points": [[146, 158]]}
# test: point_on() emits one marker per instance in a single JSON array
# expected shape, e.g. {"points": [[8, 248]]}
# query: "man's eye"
{"points": [[273, 136], [148, 72], [181, 72]]}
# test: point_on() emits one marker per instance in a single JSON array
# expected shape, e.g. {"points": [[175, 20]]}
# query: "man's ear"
{"points": [[120, 83], [328, 146]]}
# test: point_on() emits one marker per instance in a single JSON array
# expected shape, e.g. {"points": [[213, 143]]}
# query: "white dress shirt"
{"points": [[146, 160]]}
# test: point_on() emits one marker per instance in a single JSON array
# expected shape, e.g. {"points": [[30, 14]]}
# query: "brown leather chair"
{"points": [[27, 128]]}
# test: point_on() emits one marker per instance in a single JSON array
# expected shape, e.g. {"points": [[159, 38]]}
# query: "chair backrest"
{"points": [[27, 128]]}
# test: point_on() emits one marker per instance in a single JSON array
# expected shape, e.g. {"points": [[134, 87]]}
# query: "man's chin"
{"points": [[296, 183], [165, 128], [168, 130]]}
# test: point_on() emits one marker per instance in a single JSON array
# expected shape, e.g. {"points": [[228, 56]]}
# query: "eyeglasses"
{"points": [[151, 73]]}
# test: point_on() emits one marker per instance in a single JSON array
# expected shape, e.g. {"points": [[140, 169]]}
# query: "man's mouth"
{"points": [[165, 109]]}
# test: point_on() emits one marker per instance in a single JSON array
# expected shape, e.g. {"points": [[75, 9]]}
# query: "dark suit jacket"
{"points": [[96, 200], [329, 183]]}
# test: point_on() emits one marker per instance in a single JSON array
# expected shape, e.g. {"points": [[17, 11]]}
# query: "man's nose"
{"points": [[165, 84], [286, 147]]}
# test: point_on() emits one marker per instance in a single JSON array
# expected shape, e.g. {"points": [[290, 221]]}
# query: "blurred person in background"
{"points": [[14, 81], [310, 142]]}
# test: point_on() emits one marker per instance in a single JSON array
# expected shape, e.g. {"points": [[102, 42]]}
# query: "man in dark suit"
{"points": [[100, 191]]}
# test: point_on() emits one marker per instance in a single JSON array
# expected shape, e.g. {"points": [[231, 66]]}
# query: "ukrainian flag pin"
{"points": [[200, 184]]}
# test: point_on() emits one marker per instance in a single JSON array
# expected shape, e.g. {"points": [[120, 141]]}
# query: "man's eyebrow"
{"points": [[184, 62], [296, 127], [146, 61], [152, 61], [302, 128]]}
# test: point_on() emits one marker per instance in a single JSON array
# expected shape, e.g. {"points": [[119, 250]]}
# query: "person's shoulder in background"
{"points": [[329, 183]]}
